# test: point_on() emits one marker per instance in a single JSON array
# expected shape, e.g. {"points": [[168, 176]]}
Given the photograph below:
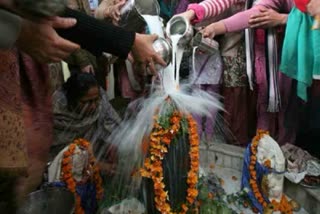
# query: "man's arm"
{"points": [[97, 36]]}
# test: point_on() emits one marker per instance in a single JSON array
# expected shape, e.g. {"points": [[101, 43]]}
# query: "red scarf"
{"points": [[301, 5]]}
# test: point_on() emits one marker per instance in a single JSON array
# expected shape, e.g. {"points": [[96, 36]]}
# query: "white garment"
{"points": [[79, 162]]}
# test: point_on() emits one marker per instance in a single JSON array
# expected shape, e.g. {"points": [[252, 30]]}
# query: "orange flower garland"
{"points": [[66, 175], [284, 206], [160, 140]]}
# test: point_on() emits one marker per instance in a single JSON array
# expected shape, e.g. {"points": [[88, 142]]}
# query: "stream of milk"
{"points": [[155, 26]]}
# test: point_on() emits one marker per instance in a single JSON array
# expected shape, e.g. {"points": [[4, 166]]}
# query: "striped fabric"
{"points": [[215, 7]]}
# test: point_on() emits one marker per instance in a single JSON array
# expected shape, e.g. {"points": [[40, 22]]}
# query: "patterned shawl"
{"points": [[69, 125]]}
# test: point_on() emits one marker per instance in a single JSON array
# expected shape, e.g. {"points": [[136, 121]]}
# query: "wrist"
{"points": [[283, 18], [219, 28], [191, 14], [198, 11]]}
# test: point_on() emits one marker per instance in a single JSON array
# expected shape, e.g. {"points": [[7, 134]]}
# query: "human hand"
{"points": [[267, 18], [314, 7], [209, 31], [144, 53], [88, 69], [114, 11], [189, 15], [41, 41]]}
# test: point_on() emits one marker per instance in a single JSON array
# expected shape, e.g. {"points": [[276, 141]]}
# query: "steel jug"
{"points": [[180, 25], [164, 49], [205, 45], [131, 14]]}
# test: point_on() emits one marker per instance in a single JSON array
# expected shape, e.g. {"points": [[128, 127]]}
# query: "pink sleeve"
{"points": [[199, 11], [210, 8], [213, 8], [240, 20]]}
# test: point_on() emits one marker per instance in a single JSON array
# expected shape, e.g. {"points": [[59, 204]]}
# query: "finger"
{"points": [[157, 59], [263, 9], [255, 16], [117, 13], [59, 22], [208, 35], [205, 33], [60, 54], [66, 45], [260, 25], [258, 20], [152, 68], [154, 37], [91, 70], [130, 58], [120, 4]]}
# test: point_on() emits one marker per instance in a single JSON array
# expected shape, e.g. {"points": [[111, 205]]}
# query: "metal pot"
{"points": [[131, 14], [164, 49], [180, 25], [51, 200]]}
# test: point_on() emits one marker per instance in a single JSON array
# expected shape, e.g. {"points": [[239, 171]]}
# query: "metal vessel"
{"points": [[180, 25]]}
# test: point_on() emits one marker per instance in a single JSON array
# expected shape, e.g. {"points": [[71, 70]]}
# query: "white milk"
{"points": [[154, 24], [177, 53]]}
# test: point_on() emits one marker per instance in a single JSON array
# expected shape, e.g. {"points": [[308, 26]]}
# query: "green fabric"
{"points": [[82, 58], [301, 51]]}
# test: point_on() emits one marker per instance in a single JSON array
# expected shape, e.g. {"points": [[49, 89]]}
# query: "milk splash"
{"points": [[138, 122]]}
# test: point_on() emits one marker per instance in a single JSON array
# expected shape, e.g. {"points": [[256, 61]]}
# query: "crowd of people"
{"points": [[269, 78]]}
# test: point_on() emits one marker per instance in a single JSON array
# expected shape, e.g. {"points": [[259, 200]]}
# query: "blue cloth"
{"points": [[261, 171], [167, 8], [87, 193]]}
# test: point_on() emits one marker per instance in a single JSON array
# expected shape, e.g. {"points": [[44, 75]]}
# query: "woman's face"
{"points": [[90, 101]]}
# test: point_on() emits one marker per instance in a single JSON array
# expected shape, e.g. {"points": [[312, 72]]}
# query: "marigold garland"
{"points": [[284, 206], [159, 142], [66, 175]]}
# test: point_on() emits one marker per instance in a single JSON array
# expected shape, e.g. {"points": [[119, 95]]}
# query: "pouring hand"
{"points": [[214, 29], [144, 53], [208, 32], [190, 15]]}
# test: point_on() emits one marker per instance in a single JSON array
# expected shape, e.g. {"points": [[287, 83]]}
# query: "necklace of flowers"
{"points": [[159, 142], [67, 177], [284, 206]]}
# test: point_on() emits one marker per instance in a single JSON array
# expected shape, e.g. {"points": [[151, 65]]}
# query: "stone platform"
{"points": [[227, 161]]}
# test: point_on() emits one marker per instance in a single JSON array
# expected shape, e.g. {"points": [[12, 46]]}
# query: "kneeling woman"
{"points": [[83, 119], [82, 110]]}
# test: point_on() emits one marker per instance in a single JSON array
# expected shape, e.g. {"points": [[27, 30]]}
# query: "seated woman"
{"points": [[82, 110]]}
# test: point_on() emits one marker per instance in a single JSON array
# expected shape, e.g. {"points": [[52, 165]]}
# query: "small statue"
{"points": [[270, 152], [76, 168], [263, 174]]}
